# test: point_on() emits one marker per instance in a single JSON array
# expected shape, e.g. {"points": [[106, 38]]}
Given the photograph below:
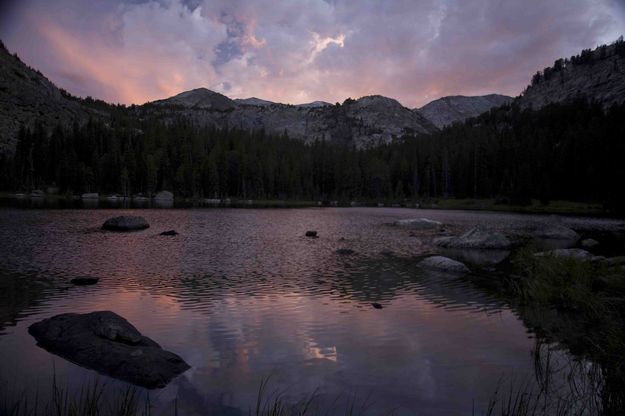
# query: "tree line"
{"points": [[571, 151]]}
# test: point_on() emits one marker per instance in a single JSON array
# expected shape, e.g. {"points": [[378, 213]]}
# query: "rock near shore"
{"points": [[125, 223], [109, 344], [476, 238], [443, 264], [418, 224]]}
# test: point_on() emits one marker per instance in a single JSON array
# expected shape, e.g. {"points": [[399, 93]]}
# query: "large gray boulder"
{"points": [[418, 224], [125, 223], [106, 342], [444, 264], [478, 238]]}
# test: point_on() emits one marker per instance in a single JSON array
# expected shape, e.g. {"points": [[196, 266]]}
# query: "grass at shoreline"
{"points": [[536, 207], [579, 304]]}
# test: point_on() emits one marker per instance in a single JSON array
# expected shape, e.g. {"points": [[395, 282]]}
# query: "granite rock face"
{"points": [[600, 78], [457, 108], [106, 342], [368, 120]]}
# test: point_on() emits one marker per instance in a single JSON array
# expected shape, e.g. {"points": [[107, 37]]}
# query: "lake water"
{"points": [[242, 296]]}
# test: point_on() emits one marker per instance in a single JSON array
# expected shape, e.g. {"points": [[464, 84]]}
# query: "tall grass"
{"points": [[92, 399]]}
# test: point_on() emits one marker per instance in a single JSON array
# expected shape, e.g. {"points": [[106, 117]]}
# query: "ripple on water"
{"points": [[242, 295]]}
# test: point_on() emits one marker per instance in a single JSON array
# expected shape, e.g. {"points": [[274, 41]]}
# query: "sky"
{"points": [[297, 51]]}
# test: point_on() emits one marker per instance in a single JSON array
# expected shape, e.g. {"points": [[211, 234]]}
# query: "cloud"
{"points": [[302, 50]]}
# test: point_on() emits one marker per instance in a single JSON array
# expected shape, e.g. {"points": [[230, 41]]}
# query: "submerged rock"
{"points": [[311, 233], [125, 223], [589, 243], [443, 264], [615, 261], [477, 256], [377, 305], [556, 232], [571, 253], [345, 251], [106, 342], [476, 237], [84, 281], [418, 224], [169, 233]]}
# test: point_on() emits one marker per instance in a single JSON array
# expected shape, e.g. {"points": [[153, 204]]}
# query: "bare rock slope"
{"points": [[457, 108], [597, 75], [367, 121]]}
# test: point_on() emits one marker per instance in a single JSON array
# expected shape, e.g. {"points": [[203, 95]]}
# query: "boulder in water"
{"points": [[418, 224], [170, 233], [478, 238], [311, 233], [444, 264], [109, 344], [125, 223]]}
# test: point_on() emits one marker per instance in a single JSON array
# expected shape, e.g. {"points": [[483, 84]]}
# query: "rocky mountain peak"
{"points": [[200, 98], [253, 101]]}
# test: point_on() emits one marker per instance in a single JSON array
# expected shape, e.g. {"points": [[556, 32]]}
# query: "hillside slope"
{"points": [[452, 109], [597, 75], [27, 97]]}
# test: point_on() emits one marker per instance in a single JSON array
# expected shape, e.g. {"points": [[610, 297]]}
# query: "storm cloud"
{"points": [[302, 50]]}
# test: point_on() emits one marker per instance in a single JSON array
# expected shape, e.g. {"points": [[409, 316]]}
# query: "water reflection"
{"points": [[242, 295]]}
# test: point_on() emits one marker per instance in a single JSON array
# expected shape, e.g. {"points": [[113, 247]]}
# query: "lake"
{"points": [[243, 296]]}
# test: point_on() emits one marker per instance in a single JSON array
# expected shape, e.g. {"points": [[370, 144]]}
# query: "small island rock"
{"points": [[444, 264], [418, 224], [170, 233]]}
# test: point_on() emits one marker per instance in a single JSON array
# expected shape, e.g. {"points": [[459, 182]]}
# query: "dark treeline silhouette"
{"points": [[572, 151]]}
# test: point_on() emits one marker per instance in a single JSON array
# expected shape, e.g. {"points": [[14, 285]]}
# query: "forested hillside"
{"points": [[573, 151]]}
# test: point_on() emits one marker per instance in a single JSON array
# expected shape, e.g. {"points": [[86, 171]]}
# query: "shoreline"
{"points": [[52, 201]]}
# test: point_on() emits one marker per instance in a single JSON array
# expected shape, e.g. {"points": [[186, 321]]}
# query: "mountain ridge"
{"points": [[28, 98]]}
